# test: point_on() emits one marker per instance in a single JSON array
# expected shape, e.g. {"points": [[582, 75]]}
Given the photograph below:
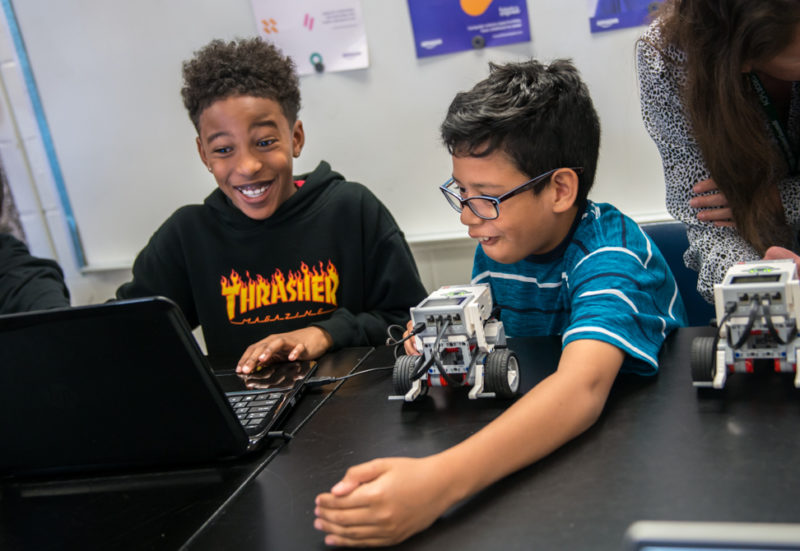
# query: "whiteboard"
{"points": [[109, 76]]}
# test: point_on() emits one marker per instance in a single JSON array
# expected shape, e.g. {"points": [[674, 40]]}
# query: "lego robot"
{"points": [[757, 307], [461, 344]]}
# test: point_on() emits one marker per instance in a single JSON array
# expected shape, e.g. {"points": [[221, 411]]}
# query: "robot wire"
{"points": [[391, 340], [322, 381], [422, 365], [436, 359], [766, 304], [751, 319]]}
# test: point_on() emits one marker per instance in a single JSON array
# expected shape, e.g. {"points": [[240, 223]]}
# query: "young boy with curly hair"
{"points": [[271, 265], [524, 145]]}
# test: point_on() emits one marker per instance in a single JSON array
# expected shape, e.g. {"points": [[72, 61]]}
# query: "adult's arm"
{"points": [[712, 249]]}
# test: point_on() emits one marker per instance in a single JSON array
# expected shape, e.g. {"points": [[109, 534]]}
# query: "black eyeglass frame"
{"points": [[458, 206]]}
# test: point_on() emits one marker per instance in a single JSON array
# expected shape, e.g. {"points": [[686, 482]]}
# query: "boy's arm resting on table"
{"points": [[385, 501]]}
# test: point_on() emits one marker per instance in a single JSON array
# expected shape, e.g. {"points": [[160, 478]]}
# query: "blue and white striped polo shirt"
{"points": [[607, 281]]}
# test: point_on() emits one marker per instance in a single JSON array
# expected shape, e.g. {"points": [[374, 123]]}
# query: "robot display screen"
{"points": [[756, 279], [439, 302]]}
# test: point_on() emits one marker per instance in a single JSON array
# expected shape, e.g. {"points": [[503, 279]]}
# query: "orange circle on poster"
{"points": [[475, 7]]}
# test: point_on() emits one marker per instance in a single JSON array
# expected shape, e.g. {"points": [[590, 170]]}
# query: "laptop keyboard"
{"points": [[255, 411]]}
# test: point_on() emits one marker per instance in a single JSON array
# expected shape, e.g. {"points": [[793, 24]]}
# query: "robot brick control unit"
{"points": [[462, 345], [757, 307]]}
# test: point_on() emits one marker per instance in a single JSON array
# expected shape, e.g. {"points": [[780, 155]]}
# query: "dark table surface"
{"points": [[660, 451], [144, 510]]}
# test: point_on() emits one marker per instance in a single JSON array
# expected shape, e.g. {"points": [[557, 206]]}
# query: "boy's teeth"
{"points": [[252, 191]]}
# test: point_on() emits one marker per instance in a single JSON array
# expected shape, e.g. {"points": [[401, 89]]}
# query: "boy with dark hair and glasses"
{"points": [[524, 145]]}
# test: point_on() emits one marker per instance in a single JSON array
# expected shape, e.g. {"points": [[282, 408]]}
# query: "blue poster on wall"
{"points": [[619, 14], [446, 26]]}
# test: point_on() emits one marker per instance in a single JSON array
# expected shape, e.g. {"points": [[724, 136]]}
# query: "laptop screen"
{"points": [[109, 386]]}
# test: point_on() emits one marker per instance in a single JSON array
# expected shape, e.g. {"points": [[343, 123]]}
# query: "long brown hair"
{"points": [[720, 38]]}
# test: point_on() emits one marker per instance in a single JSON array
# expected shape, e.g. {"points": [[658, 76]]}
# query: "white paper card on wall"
{"points": [[319, 35]]}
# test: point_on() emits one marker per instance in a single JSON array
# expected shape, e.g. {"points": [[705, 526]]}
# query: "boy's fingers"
{"points": [[352, 535], [371, 533], [297, 352], [338, 541], [245, 358], [365, 472], [345, 487], [351, 516], [326, 504], [249, 364]]}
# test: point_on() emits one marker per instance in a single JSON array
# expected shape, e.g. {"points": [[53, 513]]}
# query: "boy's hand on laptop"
{"points": [[384, 501], [303, 344]]}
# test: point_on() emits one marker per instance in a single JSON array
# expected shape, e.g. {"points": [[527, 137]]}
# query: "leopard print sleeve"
{"points": [[712, 250]]}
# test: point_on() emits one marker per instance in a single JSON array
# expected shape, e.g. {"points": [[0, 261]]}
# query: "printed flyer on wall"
{"points": [[319, 35], [620, 14], [446, 26]]}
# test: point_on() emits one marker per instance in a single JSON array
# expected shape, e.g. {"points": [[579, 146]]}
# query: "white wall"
{"points": [[109, 77]]}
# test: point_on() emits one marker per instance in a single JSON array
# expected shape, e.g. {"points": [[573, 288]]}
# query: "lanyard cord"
{"points": [[774, 123]]}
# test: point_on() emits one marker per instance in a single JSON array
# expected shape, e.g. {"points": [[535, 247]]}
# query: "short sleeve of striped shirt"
{"points": [[621, 289], [608, 283]]}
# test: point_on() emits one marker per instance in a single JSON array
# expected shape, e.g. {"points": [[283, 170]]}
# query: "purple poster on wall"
{"points": [[619, 14], [446, 26]]}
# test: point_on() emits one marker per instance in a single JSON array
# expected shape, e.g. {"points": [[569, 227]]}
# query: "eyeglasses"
{"points": [[486, 206]]}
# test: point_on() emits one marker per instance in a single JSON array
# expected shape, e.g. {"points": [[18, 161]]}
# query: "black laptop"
{"points": [[125, 385]]}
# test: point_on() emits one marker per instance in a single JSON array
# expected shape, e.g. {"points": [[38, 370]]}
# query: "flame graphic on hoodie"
{"points": [[308, 285]]}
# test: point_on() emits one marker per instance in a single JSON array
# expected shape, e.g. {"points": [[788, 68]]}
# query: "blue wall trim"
{"points": [[44, 131]]}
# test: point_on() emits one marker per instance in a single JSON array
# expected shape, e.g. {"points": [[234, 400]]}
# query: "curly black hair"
{"points": [[540, 115], [243, 67]]}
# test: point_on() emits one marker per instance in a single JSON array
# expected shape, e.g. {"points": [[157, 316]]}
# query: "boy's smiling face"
{"points": [[248, 144], [527, 224]]}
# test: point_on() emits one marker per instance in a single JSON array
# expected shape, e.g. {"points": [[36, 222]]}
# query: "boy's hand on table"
{"points": [[303, 344], [714, 206], [383, 502]]}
